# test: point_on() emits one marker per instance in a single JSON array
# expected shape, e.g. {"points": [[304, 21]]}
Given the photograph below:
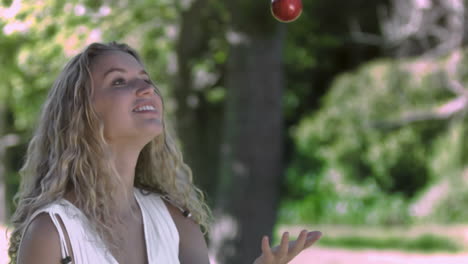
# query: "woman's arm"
{"points": [[193, 248], [40, 243], [192, 244]]}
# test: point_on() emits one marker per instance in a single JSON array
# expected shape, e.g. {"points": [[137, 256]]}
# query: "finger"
{"points": [[312, 237], [266, 250], [298, 245], [283, 250]]}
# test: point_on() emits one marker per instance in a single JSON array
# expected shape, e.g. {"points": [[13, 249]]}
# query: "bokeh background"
{"points": [[349, 120]]}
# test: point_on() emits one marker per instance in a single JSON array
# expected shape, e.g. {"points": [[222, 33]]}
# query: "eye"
{"points": [[148, 81], [118, 81]]}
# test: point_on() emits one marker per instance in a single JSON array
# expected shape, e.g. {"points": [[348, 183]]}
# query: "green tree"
{"points": [[383, 127]]}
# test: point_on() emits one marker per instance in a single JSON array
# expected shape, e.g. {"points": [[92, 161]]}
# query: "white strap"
{"points": [[64, 250], [185, 212], [63, 244]]}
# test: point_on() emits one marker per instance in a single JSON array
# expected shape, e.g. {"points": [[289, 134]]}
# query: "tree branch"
{"points": [[445, 111], [451, 69], [365, 38]]}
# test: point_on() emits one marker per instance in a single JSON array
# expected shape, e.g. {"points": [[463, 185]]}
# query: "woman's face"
{"points": [[125, 99]]}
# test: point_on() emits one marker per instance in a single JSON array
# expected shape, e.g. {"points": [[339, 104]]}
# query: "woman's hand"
{"points": [[287, 250]]}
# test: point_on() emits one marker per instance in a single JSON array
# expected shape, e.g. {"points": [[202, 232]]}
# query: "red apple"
{"points": [[286, 10]]}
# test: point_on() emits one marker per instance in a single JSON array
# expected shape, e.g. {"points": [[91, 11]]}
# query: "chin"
{"points": [[154, 133]]}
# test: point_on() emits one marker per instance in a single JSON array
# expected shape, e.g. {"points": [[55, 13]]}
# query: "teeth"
{"points": [[145, 107]]}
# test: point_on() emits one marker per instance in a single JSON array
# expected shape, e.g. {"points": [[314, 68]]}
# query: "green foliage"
{"points": [[350, 132], [445, 198], [56, 31], [215, 95], [363, 160], [331, 200]]}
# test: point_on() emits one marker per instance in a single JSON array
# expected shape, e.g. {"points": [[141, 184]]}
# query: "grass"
{"points": [[417, 238], [423, 243]]}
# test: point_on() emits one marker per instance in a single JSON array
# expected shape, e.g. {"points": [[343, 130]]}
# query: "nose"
{"points": [[143, 87]]}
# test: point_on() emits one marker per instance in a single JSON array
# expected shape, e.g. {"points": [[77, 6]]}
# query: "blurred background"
{"points": [[349, 120]]}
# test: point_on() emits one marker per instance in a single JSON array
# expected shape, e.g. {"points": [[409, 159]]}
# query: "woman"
{"points": [[103, 180]]}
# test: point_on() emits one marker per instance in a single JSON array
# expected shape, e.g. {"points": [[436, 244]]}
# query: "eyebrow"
{"points": [[113, 69]]}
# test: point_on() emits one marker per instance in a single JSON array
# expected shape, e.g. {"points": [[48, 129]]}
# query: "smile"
{"points": [[145, 108]]}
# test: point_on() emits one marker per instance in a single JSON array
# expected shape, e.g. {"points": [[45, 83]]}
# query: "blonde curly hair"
{"points": [[68, 152]]}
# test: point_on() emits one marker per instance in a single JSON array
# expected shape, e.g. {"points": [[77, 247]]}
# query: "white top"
{"points": [[161, 236]]}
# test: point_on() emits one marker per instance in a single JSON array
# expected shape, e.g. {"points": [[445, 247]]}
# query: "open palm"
{"points": [[287, 250]]}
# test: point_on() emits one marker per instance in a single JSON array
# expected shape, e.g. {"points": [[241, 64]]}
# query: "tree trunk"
{"points": [[252, 148], [9, 159], [198, 122], [3, 171]]}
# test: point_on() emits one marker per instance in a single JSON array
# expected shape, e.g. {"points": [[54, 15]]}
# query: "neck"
{"points": [[125, 160]]}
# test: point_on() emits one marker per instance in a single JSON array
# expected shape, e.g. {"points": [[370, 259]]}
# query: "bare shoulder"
{"points": [[179, 219], [41, 242], [192, 245]]}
